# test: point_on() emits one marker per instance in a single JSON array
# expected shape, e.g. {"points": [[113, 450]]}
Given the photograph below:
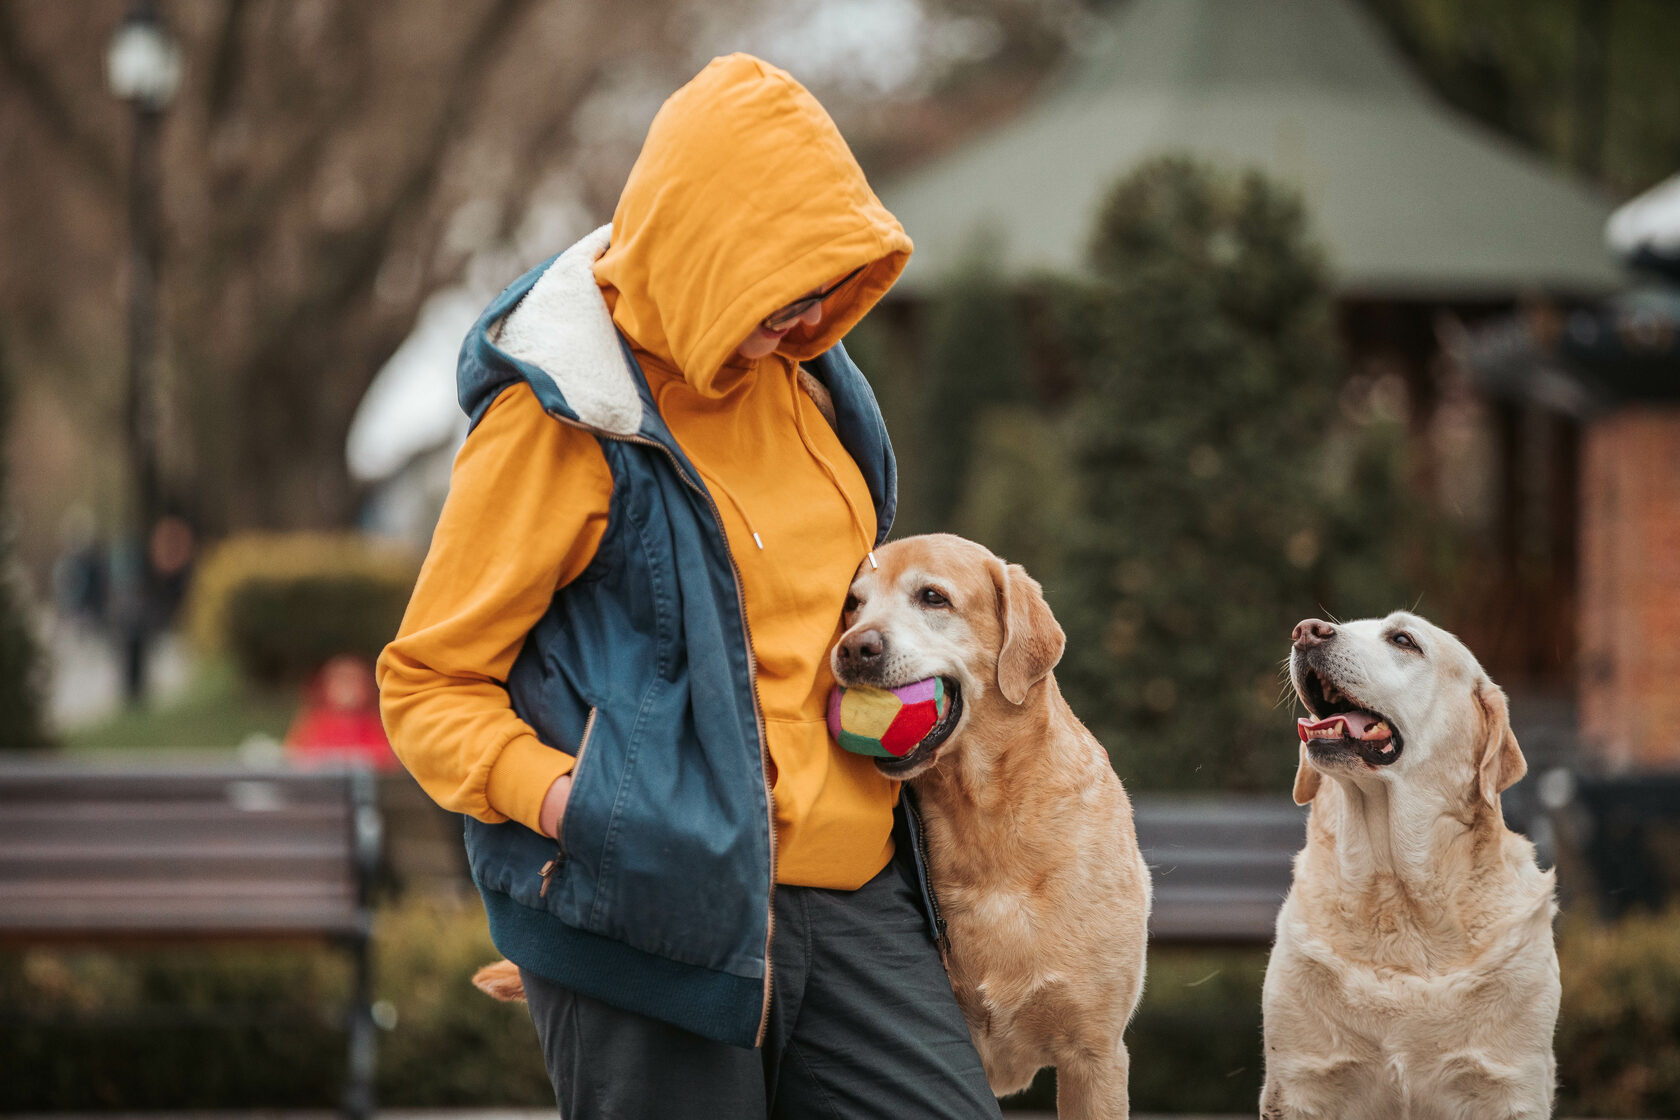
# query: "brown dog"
{"points": [[1030, 839]]}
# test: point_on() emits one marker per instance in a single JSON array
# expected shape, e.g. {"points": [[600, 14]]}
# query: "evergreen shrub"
{"points": [[1618, 1039], [281, 604], [244, 1027], [1224, 492], [22, 668]]}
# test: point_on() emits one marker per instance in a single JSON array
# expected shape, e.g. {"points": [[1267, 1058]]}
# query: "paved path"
{"points": [[86, 673]]}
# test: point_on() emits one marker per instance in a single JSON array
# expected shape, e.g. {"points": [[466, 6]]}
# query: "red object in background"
{"points": [[339, 719]]}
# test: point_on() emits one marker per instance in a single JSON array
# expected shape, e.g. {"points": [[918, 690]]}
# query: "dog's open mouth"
{"points": [[932, 741], [1340, 724]]}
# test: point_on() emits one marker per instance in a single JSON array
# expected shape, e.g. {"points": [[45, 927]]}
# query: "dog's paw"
{"points": [[500, 980]]}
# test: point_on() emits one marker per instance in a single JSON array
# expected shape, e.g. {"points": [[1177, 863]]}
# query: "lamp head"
{"points": [[143, 61]]}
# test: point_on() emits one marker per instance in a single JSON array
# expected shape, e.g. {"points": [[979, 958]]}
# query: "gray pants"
{"points": [[862, 1024]]}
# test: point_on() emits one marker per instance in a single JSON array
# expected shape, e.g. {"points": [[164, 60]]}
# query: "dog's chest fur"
{"points": [[1364, 1039], [1043, 947], [1008, 960]]}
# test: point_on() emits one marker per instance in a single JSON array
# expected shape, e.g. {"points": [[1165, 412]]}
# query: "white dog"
{"points": [[1414, 974]]}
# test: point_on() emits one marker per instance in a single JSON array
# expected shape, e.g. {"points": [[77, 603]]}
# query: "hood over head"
{"points": [[745, 197]]}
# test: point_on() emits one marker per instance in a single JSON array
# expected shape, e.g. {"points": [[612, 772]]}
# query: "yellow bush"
{"points": [[281, 603]]}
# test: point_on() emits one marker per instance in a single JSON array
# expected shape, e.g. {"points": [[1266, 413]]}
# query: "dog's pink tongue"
{"points": [[1357, 725]]}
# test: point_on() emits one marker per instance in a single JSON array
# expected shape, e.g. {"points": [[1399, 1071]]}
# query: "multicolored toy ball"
{"points": [[886, 723]]}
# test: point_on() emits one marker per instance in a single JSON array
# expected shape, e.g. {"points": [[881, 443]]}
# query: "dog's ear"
{"points": [[1307, 779], [1499, 762], [1032, 639]]}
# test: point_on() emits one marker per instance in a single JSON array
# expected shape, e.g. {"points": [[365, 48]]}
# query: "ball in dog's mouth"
{"points": [[931, 742], [1340, 725], [900, 727]]}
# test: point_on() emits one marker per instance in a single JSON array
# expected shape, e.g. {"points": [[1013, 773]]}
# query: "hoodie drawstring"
{"points": [[718, 485], [713, 481], [828, 469]]}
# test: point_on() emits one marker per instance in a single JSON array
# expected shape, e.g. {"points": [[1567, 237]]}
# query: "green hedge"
{"points": [[281, 604], [262, 1027], [1618, 1040], [251, 1027]]}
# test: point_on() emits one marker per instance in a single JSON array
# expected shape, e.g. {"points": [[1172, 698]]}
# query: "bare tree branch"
{"points": [[244, 223], [227, 62], [61, 125], [356, 259], [316, 146]]}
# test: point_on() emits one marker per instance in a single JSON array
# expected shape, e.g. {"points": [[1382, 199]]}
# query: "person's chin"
{"points": [[761, 344]]}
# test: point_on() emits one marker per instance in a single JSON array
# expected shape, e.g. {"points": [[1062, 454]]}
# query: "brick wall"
{"points": [[1630, 589]]}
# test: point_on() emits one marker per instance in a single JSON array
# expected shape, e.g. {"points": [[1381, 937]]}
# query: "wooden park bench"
{"points": [[1221, 865], [131, 854]]}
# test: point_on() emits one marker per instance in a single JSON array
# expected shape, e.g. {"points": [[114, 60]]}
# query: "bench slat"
{"points": [[162, 838], [21, 784], [164, 811], [147, 865], [219, 846], [1235, 920], [116, 893], [295, 920]]}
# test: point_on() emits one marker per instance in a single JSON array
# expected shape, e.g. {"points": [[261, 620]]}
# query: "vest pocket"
{"points": [[567, 817]]}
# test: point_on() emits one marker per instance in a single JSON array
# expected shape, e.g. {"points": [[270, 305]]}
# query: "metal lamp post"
{"points": [[142, 67]]}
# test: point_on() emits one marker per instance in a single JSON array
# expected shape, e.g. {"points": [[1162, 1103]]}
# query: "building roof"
{"points": [[1409, 198], [1646, 231]]}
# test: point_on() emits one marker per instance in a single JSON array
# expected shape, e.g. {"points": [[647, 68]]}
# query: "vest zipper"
{"points": [[553, 865], [752, 674], [942, 939]]}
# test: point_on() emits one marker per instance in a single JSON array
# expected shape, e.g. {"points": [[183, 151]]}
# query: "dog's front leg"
{"points": [[1094, 1087]]}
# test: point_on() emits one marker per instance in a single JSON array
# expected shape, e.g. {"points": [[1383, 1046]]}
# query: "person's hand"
{"points": [[554, 805]]}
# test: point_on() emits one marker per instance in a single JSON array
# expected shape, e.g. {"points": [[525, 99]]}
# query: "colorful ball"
{"points": [[886, 723]]}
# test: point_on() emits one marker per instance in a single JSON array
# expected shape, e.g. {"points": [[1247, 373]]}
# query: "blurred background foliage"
{"points": [[1186, 478], [1591, 83], [217, 708], [22, 723], [280, 604], [262, 1027], [331, 167], [1172, 435]]}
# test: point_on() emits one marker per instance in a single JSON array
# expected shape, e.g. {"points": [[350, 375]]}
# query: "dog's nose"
{"points": [[862, 647], [1311, 632]]}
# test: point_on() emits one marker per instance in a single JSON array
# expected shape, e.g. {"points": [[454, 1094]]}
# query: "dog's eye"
{"points": [[851, 605], [1404, 641], [931, 597]]}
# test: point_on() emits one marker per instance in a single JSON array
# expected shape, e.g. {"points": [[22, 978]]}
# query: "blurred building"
{"points": [[1412, 202], [1613, 369], [1425, 217], [405, 433]]}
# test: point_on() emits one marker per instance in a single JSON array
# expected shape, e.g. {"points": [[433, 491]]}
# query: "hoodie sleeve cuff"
{"points": [[521, 776]]}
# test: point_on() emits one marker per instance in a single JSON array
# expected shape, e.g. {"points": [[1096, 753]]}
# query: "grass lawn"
{"points": [[217, 711]]}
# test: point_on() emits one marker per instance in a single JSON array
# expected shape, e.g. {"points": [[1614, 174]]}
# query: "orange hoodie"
{"points": [[744, 199]]}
